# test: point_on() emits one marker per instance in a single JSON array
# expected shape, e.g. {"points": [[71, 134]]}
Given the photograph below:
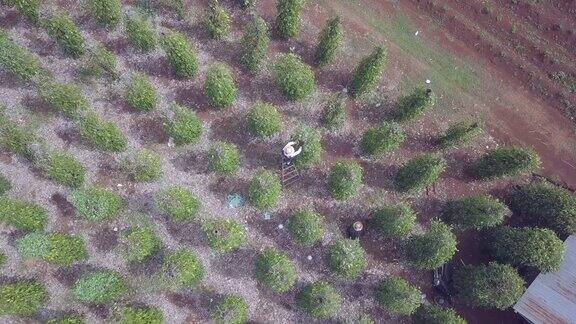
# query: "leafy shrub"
{"points": [[62, 29], [310, 139], [394, 220], [182, 268], [5, 185], [100, 62], [488, 286], [264, 120], [139, 243], [275, 271], [414, 104], [67, 319], [104, 135], [306, 226], [294, 77], [32, 246], [346, 258], [460, 133], [381, 139], [319, 300], [106, 12], [330, 40], [219, 86], [432, 249], [140, 34], [398, 296], [419, 173], [223, 157], [64, 169], [254, 45], [334, 112], [368, 71], [29, 9], [345, 179], [15, 138], [434, 314], [140, 93], [232, 309], [533, 247], [182, 125], [505, 161], [65, 98], [95, 204], [178, 203], [3, 259], [288, 18], [144, 165], [22, 215], [224, 235], [100, 287], [55, 248], [217, 21], [264, 189], [180, 55], [17, 60], [476, 212], [22, 297], [140, 315], [546, 205]]}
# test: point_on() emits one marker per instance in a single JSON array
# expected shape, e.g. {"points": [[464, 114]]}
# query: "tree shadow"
{"points": [[458, 166], [149, 129], [378, 175], [154, 66], [69, 275], [338, 145], [61, 202], [333, 79], [104, 240], [312, 182], [376, 109], [193, 96], [150, 265], [224, 185], [186, 232], [191, 161], [238, 264], [199, 301]]}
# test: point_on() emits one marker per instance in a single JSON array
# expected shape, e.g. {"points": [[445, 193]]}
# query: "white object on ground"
{"points": [[280, 226], [416, 33], [115, 229], [427, 81], [309, 258]]}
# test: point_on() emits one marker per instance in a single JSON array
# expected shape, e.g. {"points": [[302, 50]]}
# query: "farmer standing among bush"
{"points": [[289, 152]]}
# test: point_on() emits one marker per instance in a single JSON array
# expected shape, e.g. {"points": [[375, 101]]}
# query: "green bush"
{"points": [[29, 9], [217, 21], [319, 300], [460, 133], [346, 258], [15, 138], [368, 72], [140, 34], [144, 165], [334, 112], [95, 204], [32, 246], [100, 287], [3, 259], [181, 56], [345, 179], [394, 220], [104, 135], [64, 98], [55, 248], [546, 205], [381, 139], [245, 4], [100, 62], [505, 161], [219, 86], [182, 125], [67, 319], [17, 60], [178, 203], [398, 296], [24, 297], [140, 93], [263, 120], [63, 30], [274, 270], [419, 173], [22, 215], [223, 157], [224, 235], [106, 12], [264, 189], [139, 243], [5, 185], [330, 40], [477, 212], [64, 169], [414, 104], [488, 286], [533, 247], [434, 314], [254, 45], [232, 309], [311, 141], [294, 77], [182, 268], [288, 18], [306, 226], [140, 315], [432, 249]]}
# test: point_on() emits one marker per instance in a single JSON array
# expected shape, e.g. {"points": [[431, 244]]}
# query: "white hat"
{"points": [[288, 149]]}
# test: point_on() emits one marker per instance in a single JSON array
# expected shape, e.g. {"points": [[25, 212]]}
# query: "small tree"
{"points": [[288, 18], [15, 138], [254, 45], [505, 161], [319, 300], [22, 298], [368, 72], [181, 268], [306, 226], [64, 98], [310, 139], [139, 243], [264, 189], [29, 9], [95, 204], [99, 288], [133, 315], [345, 179], [433, 248], [140, 34], [275, 271], [217, 21], [182, 125], [178, 203], [294, 77], [5, 185], [140, 93], [263, 120], [180, 55], [434, 314], [534, 247], [223, 157], [106, 12], [381, 139], [22, 215], [219, 86], [143, 166], [460, 133], [488, 286], [65, 33], [398, 296], [477, 212], [414, 104], [17, 60], [55, 248], [419, 173], [334, 112], [346, 258], [224, 235], [99, 63], [232, 309], [62, 168], [329, 42], [103, 135], [394, 220]]}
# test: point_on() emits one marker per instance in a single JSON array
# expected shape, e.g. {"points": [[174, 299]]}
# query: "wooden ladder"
{"points": [[289, 174]]}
